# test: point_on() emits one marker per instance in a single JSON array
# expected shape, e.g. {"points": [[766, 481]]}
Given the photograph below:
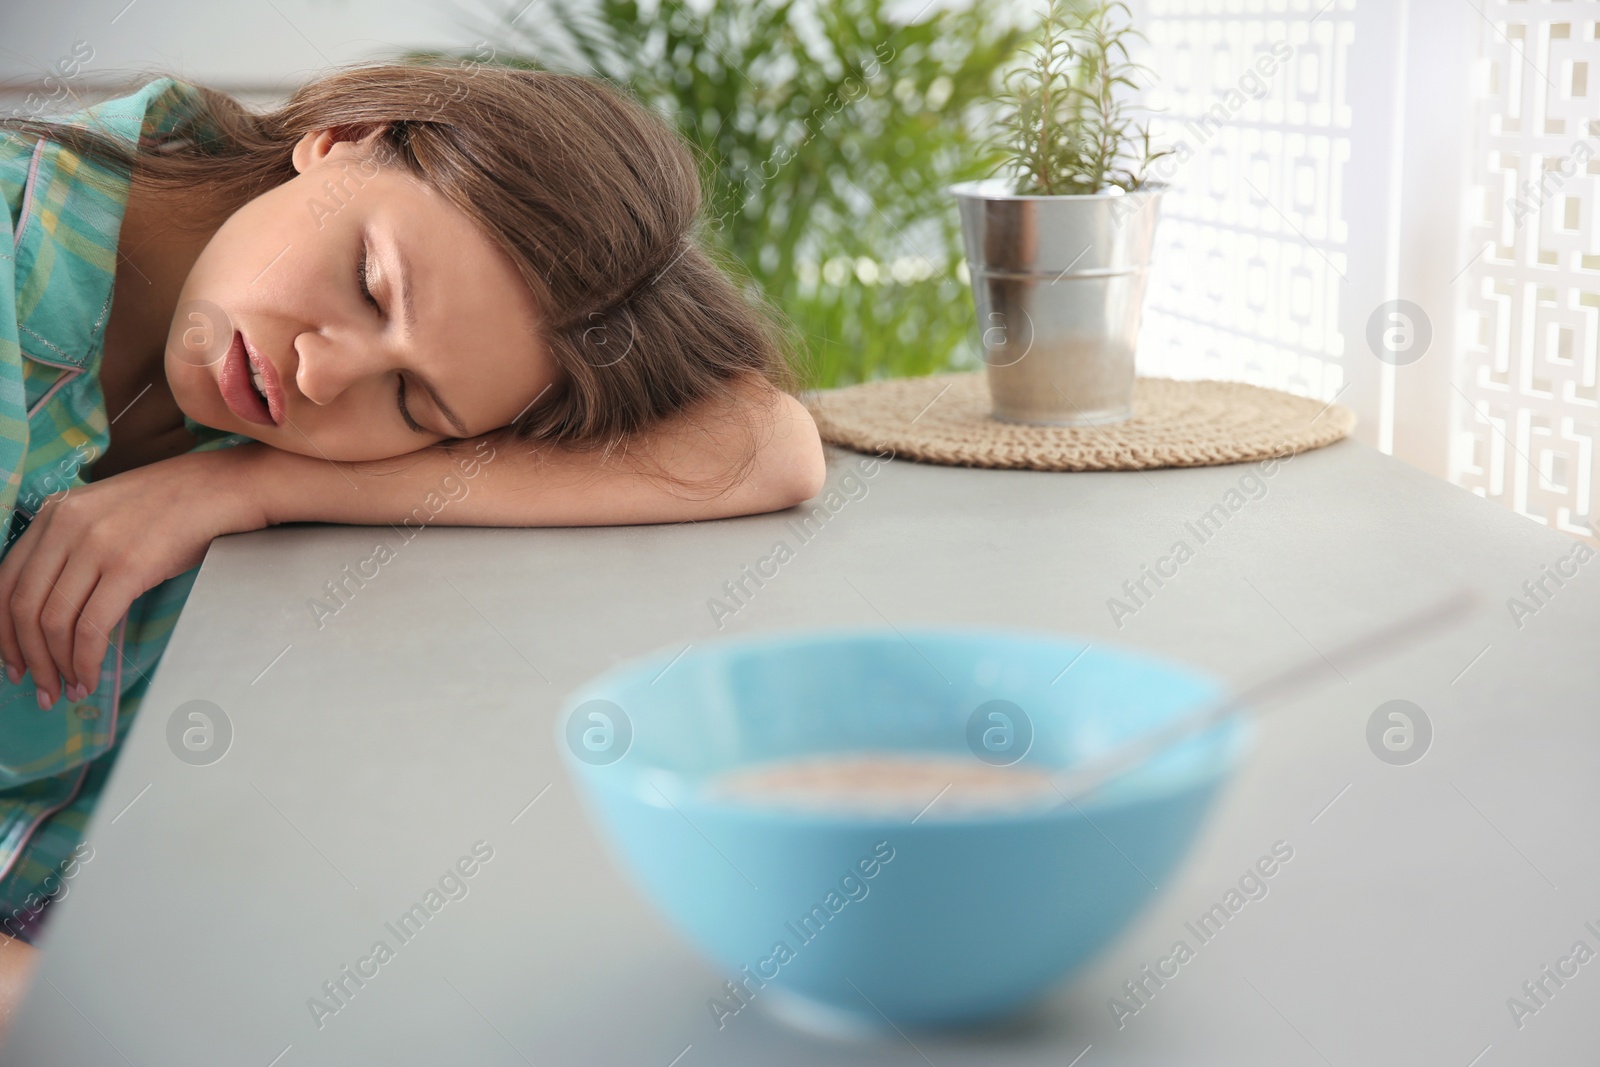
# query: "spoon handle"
{"points": [[1378, 644]]}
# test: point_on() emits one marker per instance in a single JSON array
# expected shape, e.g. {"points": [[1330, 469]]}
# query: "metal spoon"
{"points": [[1378, 644]]}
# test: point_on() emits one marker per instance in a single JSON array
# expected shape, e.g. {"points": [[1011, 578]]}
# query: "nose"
{"points": [[328, 366]]}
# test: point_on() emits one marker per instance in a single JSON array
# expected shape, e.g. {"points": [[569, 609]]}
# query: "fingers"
{"points": [[28, 599], [11, 569], [105, 608], [61, 614]]}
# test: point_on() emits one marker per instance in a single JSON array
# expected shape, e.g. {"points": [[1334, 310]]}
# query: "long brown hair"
{"points": [[595, 199]]}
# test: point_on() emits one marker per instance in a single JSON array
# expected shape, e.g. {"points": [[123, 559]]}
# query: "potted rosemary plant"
{"points": [[1058, 243]]}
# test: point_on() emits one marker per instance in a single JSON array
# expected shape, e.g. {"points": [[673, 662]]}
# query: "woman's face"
{"points": [[373, 313]]}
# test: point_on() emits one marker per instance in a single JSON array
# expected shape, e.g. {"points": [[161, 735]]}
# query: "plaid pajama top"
{"points": [[58, 261]]}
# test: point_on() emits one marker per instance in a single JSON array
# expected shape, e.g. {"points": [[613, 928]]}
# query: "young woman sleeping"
{"points": [[212, 321]]}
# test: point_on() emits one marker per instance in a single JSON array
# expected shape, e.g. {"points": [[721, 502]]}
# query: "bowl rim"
{"points": [[1237, 730]]}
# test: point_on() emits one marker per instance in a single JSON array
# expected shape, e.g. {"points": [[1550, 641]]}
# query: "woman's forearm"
{"points": [[496, 481]]}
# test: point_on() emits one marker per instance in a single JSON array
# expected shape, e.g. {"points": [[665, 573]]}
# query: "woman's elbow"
{"points": [[803, 468]]}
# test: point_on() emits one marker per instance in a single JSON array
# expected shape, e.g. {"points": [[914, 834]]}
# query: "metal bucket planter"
{"points": [[1058, 282]]}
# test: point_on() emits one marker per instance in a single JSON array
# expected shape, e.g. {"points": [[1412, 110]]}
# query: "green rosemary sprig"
{"points": [[1062, 128]]}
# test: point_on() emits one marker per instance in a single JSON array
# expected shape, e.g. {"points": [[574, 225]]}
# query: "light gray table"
{"points": [[374, 752]]}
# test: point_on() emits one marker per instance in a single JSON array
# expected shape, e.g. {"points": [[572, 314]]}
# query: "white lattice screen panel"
{"points": [[1252, 243], [1526, 430]]}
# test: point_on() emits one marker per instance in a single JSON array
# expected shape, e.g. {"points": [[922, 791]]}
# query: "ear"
{"points": [[316, 146]]}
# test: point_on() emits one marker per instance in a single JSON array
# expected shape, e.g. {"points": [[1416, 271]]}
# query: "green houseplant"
{"points": [[1058, 243], [829, 134]]}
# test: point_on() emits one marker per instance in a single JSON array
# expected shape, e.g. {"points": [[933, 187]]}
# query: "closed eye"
{"points": [[404, 413], [361, 279], [400, 390]]}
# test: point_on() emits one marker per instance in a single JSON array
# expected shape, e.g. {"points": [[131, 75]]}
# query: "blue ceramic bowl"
{"points": [[948, 920]]}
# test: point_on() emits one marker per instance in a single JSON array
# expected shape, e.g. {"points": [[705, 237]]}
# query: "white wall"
{"points": [[256, 48]]}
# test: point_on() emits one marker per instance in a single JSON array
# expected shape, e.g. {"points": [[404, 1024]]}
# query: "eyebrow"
{"points": [[408, 313]]}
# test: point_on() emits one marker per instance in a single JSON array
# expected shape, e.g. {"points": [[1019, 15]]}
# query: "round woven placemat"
{"points": [[945, 419]]}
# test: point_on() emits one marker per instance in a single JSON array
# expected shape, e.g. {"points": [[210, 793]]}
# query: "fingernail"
{"points": [[44, 699], [76, 692], [14, 673]]}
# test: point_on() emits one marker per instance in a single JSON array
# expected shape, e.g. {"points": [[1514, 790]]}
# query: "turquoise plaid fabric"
{"points": [[57, 264]]}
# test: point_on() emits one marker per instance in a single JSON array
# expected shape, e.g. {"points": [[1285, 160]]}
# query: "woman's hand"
{"points": [[93, 549]]}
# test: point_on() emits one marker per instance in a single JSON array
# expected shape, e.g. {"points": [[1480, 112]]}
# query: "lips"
{"points": [[239, 392]]}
